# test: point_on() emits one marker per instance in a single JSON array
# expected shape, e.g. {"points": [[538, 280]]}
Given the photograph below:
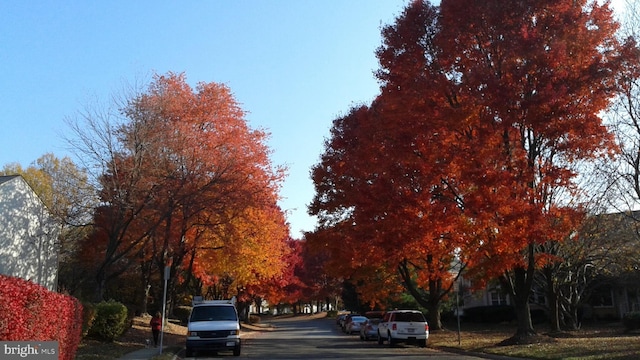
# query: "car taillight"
{"points": [[394, 326], [426, 327]]}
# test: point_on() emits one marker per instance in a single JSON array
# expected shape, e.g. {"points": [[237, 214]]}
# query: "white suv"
{"points": [[213, 325], [407, 326]]}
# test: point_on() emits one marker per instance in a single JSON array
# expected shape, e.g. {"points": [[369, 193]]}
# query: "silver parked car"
{"points": [[354, 324], [369, 330]]}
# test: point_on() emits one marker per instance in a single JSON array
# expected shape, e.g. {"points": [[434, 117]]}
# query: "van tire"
{"points": [[391, 341]]}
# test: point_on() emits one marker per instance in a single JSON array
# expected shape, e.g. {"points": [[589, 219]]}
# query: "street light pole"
{"points": [[167, 273], [457, 289]]}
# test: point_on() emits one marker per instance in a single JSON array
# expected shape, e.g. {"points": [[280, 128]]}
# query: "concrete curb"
{"points": [[453, 350], [257, 327]]}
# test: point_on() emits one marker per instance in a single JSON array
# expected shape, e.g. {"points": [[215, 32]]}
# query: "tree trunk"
{"points": [[258, 300], [552, 296], [145, 277], [523, 316], [430, 300], [435, 320], [101, 282], [520, 289], [572, 317], [144, 308]]}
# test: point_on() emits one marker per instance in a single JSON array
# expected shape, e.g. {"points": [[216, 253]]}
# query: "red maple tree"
{"points": [[484, 109], [191, 186]]}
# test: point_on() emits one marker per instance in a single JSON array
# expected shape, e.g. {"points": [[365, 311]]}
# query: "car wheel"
{"points": [[390, 339], [380, 339], [236, 351], [189, 352], [422, 343]]}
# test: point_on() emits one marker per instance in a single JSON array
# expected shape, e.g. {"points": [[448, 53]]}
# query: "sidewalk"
{"points": [[143, 354]]}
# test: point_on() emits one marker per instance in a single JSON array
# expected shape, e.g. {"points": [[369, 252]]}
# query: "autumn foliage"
{"points": [[466, 160], [29, 312], [191, 186]]}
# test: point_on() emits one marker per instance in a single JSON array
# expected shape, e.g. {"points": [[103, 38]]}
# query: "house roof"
{"points": [[6, 178]]}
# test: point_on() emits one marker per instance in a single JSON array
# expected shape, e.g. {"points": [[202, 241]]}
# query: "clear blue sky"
{"points": [[294, 65]]}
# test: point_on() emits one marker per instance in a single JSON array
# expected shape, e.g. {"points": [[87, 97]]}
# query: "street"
{"points": [[301, 338]]}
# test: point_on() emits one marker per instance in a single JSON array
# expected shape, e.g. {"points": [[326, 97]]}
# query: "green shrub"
{"points": [[110, 321], [631, 321], [332, 314]]}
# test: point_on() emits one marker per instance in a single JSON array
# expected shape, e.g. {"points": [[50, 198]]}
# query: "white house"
{"points": [[28, 234]]}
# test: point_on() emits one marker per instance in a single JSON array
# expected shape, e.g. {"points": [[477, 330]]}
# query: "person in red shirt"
{"points": [[156, 326]]}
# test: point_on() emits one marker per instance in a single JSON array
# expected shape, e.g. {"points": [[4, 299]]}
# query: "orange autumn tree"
{"points": [[379, 218], [249, 252], [219, 210], [209, 189], [285, 287], [533, 77], [385, 187], [421, 192]]}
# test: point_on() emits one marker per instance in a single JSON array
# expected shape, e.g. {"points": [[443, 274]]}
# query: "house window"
{"points": [[498, 298], [537, 297], [602, 297]]}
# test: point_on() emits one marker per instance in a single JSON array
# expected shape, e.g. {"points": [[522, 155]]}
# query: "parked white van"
{"points": [[213, 325], [408, 326]]}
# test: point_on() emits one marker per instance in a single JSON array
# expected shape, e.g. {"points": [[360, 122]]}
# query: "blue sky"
{"points": [[294, 65]]}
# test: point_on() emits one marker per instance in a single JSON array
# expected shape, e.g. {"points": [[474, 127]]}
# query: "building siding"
{"points": [[28, 234]]}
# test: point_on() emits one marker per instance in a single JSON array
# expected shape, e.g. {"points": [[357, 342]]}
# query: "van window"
{"points": [[213, 313], [409, 316]]}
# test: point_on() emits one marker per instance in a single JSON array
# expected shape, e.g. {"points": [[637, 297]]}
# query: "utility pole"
{"points": [[167, 273]]}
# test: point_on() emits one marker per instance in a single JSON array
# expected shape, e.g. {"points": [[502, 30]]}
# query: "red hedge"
{"points": [[30, 312]]}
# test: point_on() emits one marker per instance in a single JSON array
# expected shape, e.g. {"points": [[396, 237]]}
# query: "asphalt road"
{"points": [[301, 338]]}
